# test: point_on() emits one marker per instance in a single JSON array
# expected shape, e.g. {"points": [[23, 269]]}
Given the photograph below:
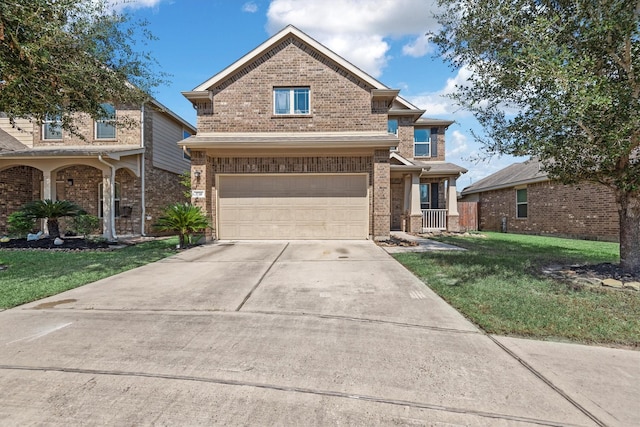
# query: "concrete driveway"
{"points": [[289, 333]]}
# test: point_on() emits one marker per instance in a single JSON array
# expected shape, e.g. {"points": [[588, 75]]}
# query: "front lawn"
{"points": [[33, 274], [497, 283]]}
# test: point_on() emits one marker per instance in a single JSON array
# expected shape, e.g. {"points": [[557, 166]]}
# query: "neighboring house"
{"points": [[522, 199], [294, 142], [124, 175]]}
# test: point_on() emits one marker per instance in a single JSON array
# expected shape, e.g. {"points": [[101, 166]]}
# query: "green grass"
{"points": [[35, 274], [498, 285]]}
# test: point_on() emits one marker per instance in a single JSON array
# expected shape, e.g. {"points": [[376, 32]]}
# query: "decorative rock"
{"points": [[34, 236], [632, 285], [4, 239], [612, 283], [58, 241], [588, 281]]}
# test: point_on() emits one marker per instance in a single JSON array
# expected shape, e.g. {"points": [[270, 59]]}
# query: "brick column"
{"points": [[381, 195], [453, 217], [202, 179]]}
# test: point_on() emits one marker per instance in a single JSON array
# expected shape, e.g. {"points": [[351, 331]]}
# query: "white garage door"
{"points": [[293, 207]]}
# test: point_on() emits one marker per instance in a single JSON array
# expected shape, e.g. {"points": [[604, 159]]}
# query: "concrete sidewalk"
{"points": [[422, 244], [290, 333]]}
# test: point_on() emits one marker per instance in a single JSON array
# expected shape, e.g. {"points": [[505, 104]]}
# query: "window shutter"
{"points": [[434, 142]]}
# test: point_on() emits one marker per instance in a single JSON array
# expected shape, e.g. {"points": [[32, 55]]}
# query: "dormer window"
{"points": [[291, 101], [422, 142], [106, 126]]}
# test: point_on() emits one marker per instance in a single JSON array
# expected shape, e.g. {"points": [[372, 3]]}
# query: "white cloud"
{"points": [[250, 7], [438, 103], [419, 47], [120, 5], [456, 143], [357, 29]]}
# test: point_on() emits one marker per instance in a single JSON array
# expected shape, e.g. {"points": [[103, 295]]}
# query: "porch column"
{"points": [[406, 207], [48, 193], [453, 216], [107, 205], [415, 222]]}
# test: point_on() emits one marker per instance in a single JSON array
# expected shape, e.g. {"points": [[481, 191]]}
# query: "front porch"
{"points": [[424, 196]]}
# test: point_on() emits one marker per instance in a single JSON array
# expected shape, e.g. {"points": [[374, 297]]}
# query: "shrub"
{"points": [[51, 211], [85, 224], [184, 219], [20, 224]]}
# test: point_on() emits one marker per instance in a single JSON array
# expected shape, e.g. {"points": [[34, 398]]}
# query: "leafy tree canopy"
{"points": [[61, 57], [558, 79]]}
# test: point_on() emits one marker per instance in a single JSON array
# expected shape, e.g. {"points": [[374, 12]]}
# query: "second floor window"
{"points": [[52, 128], [392, 126], [106, 126], [291, 100], [422, 142]]}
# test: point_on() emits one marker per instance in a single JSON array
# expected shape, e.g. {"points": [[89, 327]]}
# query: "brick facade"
{"points": [[339, 101], [586, 211]]}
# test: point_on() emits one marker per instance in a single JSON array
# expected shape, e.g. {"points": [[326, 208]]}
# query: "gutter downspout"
{"points": [[112, 217], [141, 159]]}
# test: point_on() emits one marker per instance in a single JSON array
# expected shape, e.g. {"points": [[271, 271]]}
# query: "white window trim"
{"points": [[427, 143], [112, 121], [47, 122], [291, 101], [518, 204]]}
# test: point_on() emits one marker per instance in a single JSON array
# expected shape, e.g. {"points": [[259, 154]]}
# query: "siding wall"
{"points": [[23, 131], [165, 134], [586, 211]]}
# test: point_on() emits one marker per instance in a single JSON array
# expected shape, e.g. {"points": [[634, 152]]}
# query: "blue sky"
{"points": [[386, 38]]}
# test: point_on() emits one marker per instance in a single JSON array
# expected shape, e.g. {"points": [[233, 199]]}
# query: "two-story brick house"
{"points": [[124, 175], [295, 142]]}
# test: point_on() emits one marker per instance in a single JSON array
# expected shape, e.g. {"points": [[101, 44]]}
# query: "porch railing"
{"points": [[434, 219]]}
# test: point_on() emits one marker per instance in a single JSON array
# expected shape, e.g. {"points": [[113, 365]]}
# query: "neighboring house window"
{"points": [[291, 100], [425, 200], [392, 126], [52, 128], [422, 142], [101, 200], [186, 154], [521, 203], [106, 126]]}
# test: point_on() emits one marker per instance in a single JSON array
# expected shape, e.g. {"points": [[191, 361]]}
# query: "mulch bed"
{"points": [[70, 243], [605, 271]]}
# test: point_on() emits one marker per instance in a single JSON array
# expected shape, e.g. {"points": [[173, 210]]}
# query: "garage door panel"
{"points": [[293, 207]]}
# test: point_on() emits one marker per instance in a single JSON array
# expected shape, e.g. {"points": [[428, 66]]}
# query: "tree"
{"points": [[62, 57], [184, 219], [557, 79], [52, 211]]}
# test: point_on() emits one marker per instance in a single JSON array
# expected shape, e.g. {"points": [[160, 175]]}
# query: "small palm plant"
{"points": [[184, 219], [52, 211]]}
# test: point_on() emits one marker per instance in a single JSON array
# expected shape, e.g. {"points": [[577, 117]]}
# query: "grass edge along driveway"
{"points": [[34, 274], [498, 285]]}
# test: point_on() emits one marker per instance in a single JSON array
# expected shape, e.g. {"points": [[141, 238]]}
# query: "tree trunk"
{"points": [[54, 229], [629, 212]]}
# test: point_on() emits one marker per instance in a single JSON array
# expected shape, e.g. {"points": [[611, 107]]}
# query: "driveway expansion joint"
{"points": [[292, 389], [547, 381], [246, 298]]}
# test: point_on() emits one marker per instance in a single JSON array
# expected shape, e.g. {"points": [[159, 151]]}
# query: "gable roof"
{"points": [[201, 92], [527, 172], [9, 143], [289, 30]]}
